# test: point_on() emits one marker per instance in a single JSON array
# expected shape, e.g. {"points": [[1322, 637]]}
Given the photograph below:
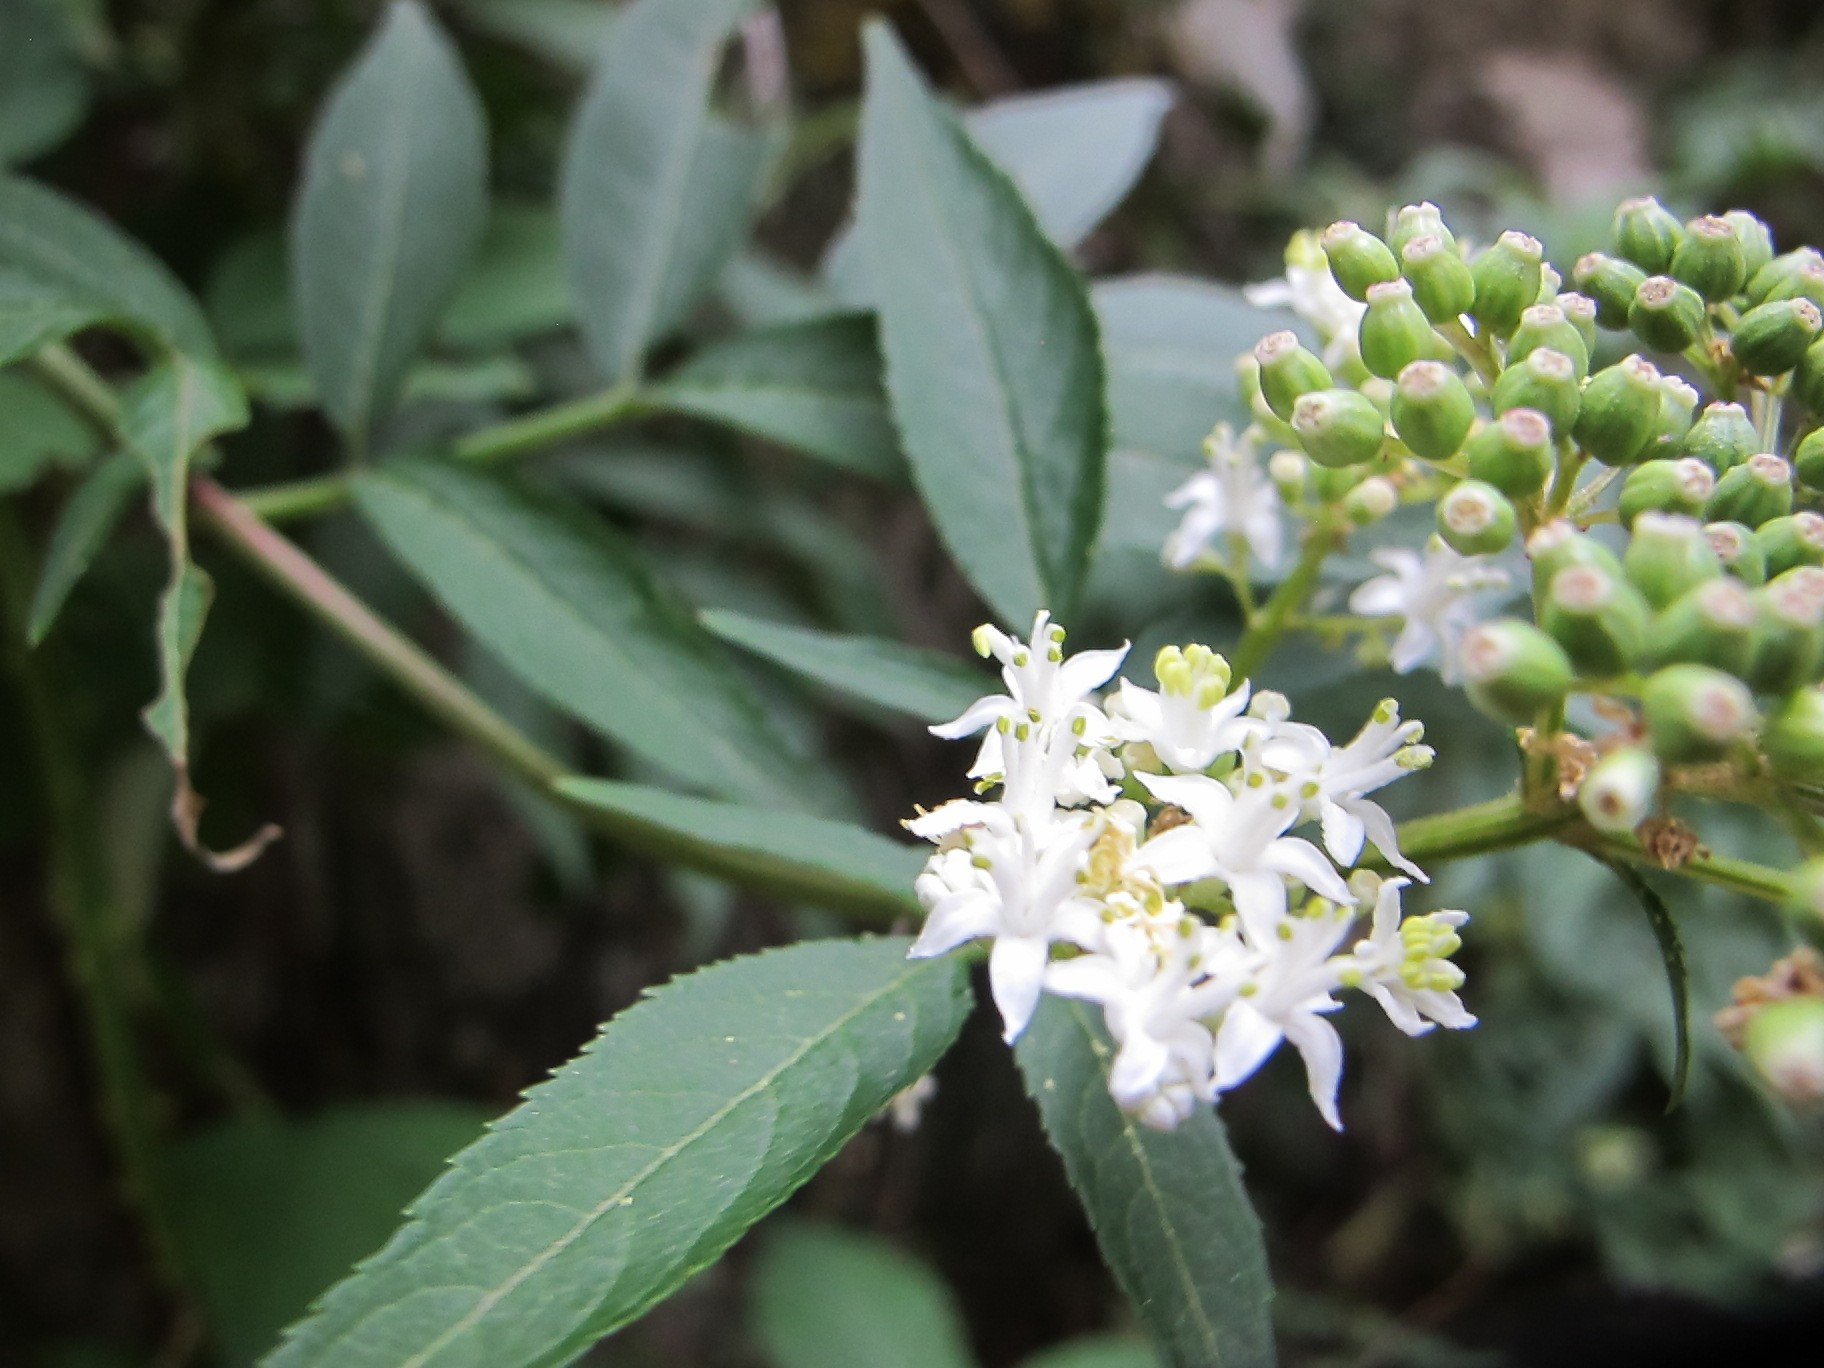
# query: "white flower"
{"points": [[1193, 718], [1331, 781], [1435, 594], [1311, 292], [1241, 841], [1231, 497], [1290, 994], [1004, 875], [1405, 964]]}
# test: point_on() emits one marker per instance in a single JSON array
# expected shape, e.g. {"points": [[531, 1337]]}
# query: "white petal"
{"points": [[1322, 1048], [1137, 1069], [1379, 828], [1016, 974], [1093, 978], [1344, 834], [1208, 801], [1243, 1042], [1260, 899], [1306, 863], [1181, 855], [1399, 1011], [1384, 596], [948, 817], [1414, 644], [1089, 670], [958, 918], [976, 716]]}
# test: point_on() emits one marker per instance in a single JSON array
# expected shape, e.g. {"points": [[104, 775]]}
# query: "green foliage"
{"points": [[43, 89], [1168, 1207], [393, 201], [706, 1104], [993, 362], [82, 529], [34, 315], [38, 433]]}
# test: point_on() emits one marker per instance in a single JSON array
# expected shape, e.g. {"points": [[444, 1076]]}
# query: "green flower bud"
{"points": [[1773, 279], [1808, 460], [1788, 632], [1432, 409], [1288, 369], [1677, 402], [1441, 281], [1680, 486], [1722, 437], [1756, 491], [1611, 282], [1646, 233], [1784, 1041], [1666, 315], [1793, 739], [1619, 412], [1580, 309], [1371, 500], [1507, 277], [1394, 331], [1546, 381], [1513, 453], [1512, 669], [1620, 791], [1598, 618], [1475, 519], [1338, 427], [1806, 897], [1737, 549], [1332, 484], [1710, 259], [1559, 545], [1794, 540], [1711, 624], [1418, 220], [1756, 239], [1772, 337], [1808, 378], [1694, 713], [1805, 281], [1667, 555], [1544, 325], [1357, 258], [1289, 471]]}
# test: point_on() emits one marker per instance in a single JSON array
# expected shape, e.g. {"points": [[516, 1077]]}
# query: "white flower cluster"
{"points": [[1136, 851]]}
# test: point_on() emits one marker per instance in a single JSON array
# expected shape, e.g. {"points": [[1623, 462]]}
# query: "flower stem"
{"points": [[1264, 631]]}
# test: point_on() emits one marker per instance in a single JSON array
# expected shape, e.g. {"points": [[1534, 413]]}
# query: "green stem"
{"points": [[296, 498], [1473, 350], [1291, 594], [68, 374]]}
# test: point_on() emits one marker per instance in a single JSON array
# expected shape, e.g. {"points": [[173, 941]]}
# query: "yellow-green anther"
{"points": [[980, 640]]}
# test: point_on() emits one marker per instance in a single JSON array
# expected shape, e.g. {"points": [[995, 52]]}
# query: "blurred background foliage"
{"points": [[324, 1028]]}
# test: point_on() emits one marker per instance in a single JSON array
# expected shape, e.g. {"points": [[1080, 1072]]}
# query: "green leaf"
{"points": [[993, 363], [515, 288], [655, 190], [476, 380], [900, 678], [690, 1116], [760, 291], [269, 1212], [815, 386], [82, 529], [829, 1298], [785, 854], [1168, 1207], [567, 605], [248, 297], [392, 204], [34, 314], [1678, 973], [1099, 1351], [60, 243], [566, 32], [38, 432], [43, 90]]}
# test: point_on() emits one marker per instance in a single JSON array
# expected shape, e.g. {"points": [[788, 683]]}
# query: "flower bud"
{"points": [[1332, 484], [1782, 277], [1475, 519], [1737, 549], [1558, 545], [1512, 669], [1544, 325], [1667, 555], [1808, 460], [1611, 282], [1598, 618], [1711, 624], [1580, 309], [1666, 315], [1513, 453], [1646, 233], [1288, 370], [1507, 277], [1338, 427], [1546, 381], [1722, 437], [1806, 281], [1772, 337], [1784, 1040], [1441, 281], [1756, 239], [1289, 470], [1756, 491], [1394, 330], [1694, 713], [1432, 409], [1620, 791], [1788, 632], [1710, 259], [1793, 739], [1806, 894], [1371, 500], [1418, 220], [1619, 412], [1794, 540], [1808, 378], [1677, 402], [1680, 486], [1357, 258]]}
